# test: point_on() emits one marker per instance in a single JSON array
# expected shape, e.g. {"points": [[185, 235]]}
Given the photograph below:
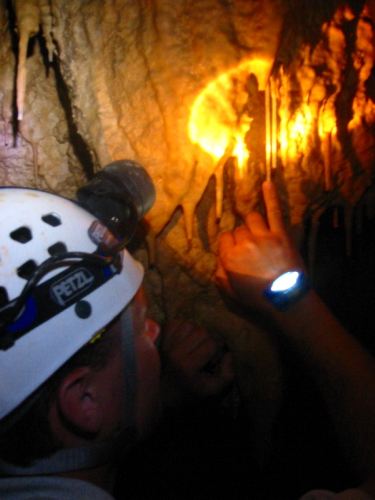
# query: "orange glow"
{"points": [[219, 117], [294, 137], [220, 120]]}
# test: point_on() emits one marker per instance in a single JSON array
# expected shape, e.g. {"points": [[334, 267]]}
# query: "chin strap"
{"points": [[129, 370], [89, 457]]}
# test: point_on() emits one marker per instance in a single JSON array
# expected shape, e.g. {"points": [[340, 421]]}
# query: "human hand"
{"points": [[187, 351], [257, 253]]}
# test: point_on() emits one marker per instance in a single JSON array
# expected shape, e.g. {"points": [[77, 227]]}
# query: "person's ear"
{"points": [[78, 401]]}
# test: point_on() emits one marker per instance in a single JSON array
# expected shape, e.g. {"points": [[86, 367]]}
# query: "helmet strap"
{"points": [[129, 369]]}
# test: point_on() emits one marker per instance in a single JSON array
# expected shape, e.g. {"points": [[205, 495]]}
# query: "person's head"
{"points": [[75, 366]]}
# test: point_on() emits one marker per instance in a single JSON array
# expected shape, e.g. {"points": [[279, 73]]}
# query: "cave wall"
{"points": [[96, 81]]}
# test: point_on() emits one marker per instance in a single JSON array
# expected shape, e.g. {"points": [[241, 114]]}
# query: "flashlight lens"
{"points": [[285, 281], [287, 289]]}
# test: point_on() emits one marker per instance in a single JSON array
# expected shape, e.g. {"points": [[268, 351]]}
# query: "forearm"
{"points": [[249, 260], [343, 371]]}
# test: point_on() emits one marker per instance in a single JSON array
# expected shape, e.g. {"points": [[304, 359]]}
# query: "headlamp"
{"points": [[287, 289], [119, 195]]}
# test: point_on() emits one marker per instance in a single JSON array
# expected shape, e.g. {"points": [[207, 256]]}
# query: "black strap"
{"points": [[50, 298]]}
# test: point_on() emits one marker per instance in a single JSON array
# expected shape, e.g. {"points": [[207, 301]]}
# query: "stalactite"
{"points": [[189, 211], [219, 176], [46, 19], [7, 118], [7, 79], [327, 152], [28, 19], [268, 132]]}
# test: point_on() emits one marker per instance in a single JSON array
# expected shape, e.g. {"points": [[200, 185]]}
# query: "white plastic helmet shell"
{"points": [[31, 222]]}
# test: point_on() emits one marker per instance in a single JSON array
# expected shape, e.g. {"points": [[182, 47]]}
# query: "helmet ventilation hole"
{"points": [[52, 219], [27, 269], [22, 234], [83, 309], [56, 248]]}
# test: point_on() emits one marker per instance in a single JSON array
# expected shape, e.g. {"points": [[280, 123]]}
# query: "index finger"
{"points": [[226, 241], [273, 207]]}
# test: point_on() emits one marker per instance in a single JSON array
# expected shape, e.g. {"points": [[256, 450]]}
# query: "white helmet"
{"points": [[71, 299]]}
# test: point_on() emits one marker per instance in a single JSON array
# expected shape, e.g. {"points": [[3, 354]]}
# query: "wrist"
{"points": [[308, 317], [287, 289]]}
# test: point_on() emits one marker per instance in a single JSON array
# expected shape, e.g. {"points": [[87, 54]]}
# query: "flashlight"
{"points": [[287, 289], [119, 195]]}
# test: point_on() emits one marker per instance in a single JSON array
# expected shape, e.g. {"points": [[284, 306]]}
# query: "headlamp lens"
{"points": [[119, 195]]}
